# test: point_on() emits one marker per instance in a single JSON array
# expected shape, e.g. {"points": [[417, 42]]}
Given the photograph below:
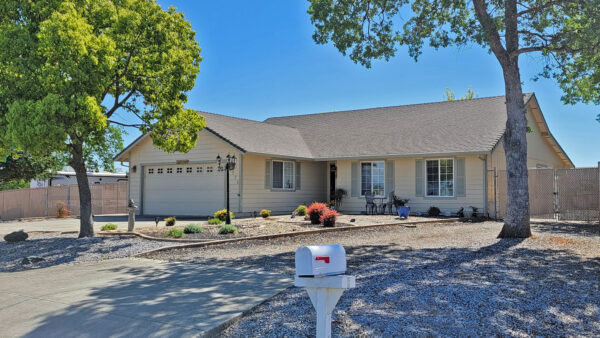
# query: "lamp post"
{"points": [[229, 165]]}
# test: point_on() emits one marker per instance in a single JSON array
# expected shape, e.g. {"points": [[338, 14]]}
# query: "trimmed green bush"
{"points": [[228, 229], [300, 210], [222, 214], [109, 226], [264, 213], [433, 211], [170, 221], [214, 221], [175, 233], [192, 229]]}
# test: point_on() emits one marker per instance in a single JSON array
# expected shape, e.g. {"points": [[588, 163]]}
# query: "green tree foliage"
{"points": [[450, 96], [563, 33], [19, 168], [67, 66]]}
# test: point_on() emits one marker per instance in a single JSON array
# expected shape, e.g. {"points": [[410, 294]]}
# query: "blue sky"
{"points": [[259, 60]]}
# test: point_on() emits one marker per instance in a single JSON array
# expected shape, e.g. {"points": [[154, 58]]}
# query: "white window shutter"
{"points": [[297, 175], [389, 176], [459, 178], [268, 179], [355, 173], [419, 178]]}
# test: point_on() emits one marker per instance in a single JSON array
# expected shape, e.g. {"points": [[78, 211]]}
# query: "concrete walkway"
{"points": [[129, 298], [72, 224]]}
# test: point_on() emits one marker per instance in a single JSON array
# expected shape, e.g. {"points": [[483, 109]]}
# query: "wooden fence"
{"points": [[562, 194], [108, 198]]}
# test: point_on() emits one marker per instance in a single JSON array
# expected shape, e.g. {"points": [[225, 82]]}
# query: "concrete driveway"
{"points": [[129, 298], [72, 224]]}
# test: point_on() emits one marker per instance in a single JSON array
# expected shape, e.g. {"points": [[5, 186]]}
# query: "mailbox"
{"points": [[320, 260]]}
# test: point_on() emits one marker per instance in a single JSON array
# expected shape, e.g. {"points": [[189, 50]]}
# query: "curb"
{"points": [[282, 235]]}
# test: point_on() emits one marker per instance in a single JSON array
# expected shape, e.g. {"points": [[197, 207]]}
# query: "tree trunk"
{"points": [[86, 222], [516, 222]]}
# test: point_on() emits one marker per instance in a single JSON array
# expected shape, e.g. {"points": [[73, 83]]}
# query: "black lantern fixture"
{"points": [[229, 165]]}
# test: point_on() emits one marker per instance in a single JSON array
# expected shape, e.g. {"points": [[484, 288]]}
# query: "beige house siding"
{"points": [[206, 150], [404, 187], [255, 197], [539, 149]]}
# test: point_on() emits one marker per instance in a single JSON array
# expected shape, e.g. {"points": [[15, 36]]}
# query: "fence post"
{"points": [[47, 211]]}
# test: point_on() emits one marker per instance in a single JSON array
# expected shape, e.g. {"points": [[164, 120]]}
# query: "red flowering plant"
{"points": [[315, 211], [329, 217]]}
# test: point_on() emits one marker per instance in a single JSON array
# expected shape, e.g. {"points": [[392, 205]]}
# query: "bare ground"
{"points": [[434, 279]]}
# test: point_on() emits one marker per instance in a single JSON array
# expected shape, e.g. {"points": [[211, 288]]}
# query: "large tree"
{"points": [[67, 67], [564, 33]]}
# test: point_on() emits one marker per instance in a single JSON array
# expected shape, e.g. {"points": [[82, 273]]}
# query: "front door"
{"points": [[332, 173]]}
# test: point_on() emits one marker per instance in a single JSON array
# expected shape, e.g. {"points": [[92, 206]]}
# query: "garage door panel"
{"points": [[186, 193]]}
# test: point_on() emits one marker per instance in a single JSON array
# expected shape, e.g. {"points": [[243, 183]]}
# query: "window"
{"points": [[179, 170], [169, 170], [151, 171], [209, 169], [188, 170], [283, 175], [372, 178], [159, 170], [440, 178], [198, 169]]}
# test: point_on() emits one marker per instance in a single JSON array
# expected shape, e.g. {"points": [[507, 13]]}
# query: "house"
{"points": [[433, 153], [66, 177]]}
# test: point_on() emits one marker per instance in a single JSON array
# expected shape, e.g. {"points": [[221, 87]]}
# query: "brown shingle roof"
{"points": [[258, 137], [465, 126]]}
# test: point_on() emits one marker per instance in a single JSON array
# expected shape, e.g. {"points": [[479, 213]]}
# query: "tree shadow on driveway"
{"points": [[153, 299]]}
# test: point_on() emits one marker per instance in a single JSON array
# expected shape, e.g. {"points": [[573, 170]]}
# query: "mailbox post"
{"points": [[320, 269]]}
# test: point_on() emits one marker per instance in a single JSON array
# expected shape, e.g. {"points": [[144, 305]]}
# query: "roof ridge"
{"points": [[394, 106]]}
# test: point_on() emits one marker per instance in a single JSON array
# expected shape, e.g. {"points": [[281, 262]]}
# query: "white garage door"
{"points": [[184, 190]]}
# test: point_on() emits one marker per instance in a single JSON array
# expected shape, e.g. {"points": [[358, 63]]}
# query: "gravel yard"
{"points": [[434, 279], [248, 227], [43, 250]]}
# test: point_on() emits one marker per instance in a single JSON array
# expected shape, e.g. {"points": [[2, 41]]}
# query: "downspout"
{"points": [[485, 184]]}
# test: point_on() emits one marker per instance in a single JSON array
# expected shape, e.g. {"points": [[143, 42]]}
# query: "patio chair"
{"points": [[370, 202], [390, 203]]}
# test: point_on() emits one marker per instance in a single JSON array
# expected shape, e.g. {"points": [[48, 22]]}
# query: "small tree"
{"points": [[565, 32], [67, 67]]}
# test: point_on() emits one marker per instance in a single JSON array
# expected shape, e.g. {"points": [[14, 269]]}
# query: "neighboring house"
{"points": [[434, 154], [66, 176]]}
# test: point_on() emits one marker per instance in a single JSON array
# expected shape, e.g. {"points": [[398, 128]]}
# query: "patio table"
{"points": [[379, 206]]}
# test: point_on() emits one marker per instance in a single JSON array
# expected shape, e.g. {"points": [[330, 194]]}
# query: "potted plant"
{"points": [[400, 204]]}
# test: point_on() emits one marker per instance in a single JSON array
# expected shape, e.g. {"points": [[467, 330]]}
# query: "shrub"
{"points": [[214, 221], [475, 209], [228, 229], [175, 233], [433, 211], [170, 221], [109, 226], [222, 214], [61, 210], [328, 218], [300, 210], [192, 229], [264, 213], [315, 211]]}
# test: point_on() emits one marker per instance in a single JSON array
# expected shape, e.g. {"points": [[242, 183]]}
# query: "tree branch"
{"points": [[135, 125], [542, 7], [491, 31], [119, 104]]}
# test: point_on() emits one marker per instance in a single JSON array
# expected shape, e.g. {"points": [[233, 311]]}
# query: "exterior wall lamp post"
{"points": [[229, 165]]}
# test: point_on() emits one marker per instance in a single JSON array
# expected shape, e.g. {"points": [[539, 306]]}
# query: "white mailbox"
{"points": [[320, 260]]}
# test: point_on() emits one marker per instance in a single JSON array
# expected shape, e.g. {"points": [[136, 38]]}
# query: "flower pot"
{"points": [[403, 212]]}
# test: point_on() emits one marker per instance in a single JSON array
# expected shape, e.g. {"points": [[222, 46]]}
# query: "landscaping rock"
{"points": [[32, 260], [16, 236]]}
